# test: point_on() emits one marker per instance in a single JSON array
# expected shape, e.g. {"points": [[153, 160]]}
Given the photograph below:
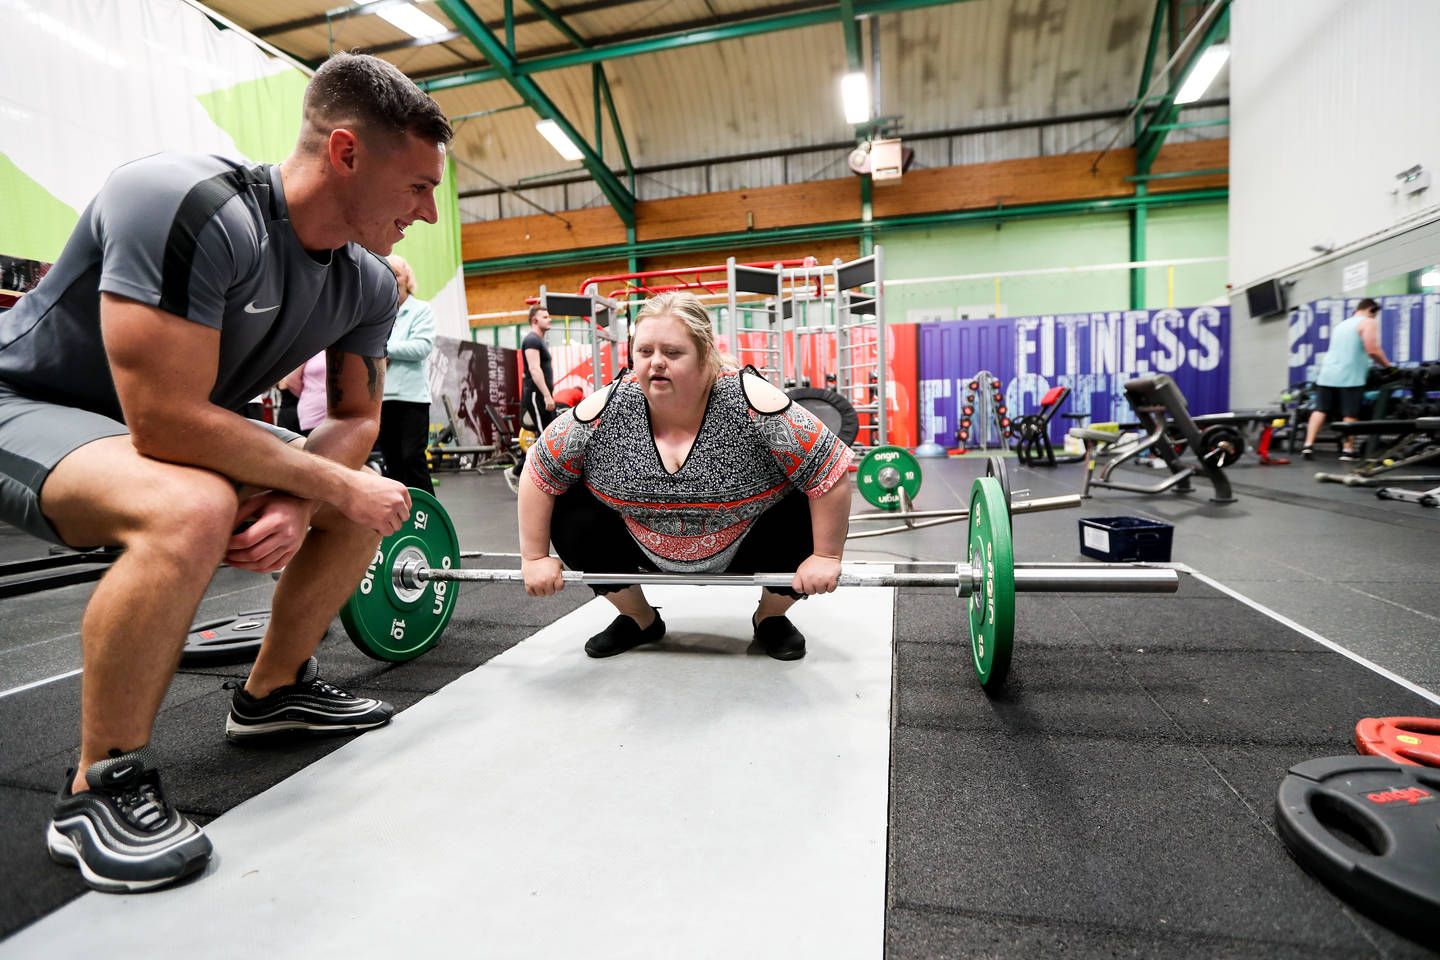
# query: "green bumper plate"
{"points": [[992, 605], [883, 472], [391, 624]]}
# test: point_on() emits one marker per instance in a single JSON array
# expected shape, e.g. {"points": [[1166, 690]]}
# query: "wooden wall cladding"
{"points": [[972, 186], [596, 227], [1196, 155], [1071, 176], [506, 292], [734, 211]]}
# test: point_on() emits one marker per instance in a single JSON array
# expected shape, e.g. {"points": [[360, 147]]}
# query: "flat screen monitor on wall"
{"points": [[1265, 299]]}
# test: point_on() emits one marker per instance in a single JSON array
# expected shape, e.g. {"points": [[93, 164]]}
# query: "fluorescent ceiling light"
{"points": [[551, 131], [412, 20], [1430, 278], [855, 95], [1199, 80]]}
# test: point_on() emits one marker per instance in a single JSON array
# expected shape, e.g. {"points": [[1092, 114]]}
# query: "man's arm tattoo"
{"points": [[333, 392], [374, 377]]}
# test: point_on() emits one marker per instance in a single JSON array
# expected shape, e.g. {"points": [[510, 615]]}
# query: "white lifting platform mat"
{"points": [[693, 800]]}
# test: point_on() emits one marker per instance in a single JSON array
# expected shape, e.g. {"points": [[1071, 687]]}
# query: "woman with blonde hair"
{"points": [[685, 465]]}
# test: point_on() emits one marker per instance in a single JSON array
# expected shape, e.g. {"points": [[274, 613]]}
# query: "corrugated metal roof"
{"points": [[942, 67]]}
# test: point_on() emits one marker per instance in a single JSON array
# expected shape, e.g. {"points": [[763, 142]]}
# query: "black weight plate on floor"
{"points": [[831, 409], [1370, 830], [1212, 437], [231, 639]]}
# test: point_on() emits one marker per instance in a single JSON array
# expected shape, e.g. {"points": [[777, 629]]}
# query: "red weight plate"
{"points": [[1414, 740]]}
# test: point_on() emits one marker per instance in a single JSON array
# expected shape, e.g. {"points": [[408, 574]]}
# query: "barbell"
{"points": [[887, 481], [407, 597]]}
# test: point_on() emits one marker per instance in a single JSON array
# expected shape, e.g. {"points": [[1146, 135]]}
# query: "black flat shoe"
{"points": [[623, 634], [779, 638]]}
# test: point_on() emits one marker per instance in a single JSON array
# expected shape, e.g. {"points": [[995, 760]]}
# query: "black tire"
{"points": [[831, 409]]}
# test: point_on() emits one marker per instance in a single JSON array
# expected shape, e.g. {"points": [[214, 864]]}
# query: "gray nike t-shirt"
{"points": [[210, 240]]}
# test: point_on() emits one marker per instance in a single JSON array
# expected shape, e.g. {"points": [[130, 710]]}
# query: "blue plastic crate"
{"points": [[1126, 538]]}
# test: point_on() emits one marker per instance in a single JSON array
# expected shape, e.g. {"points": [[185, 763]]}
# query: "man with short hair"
{"points": [[537, 384], [191, 283], [537, 398], [1340, 381]]}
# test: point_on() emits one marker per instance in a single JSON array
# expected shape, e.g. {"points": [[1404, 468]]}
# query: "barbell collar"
{"points": [[412, 573]]}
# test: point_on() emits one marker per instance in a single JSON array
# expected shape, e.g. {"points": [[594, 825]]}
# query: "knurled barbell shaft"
{"points": [[1040, 578]]}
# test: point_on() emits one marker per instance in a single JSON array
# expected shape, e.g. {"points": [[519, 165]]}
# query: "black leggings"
{"points": [[590, 536], [404, 435]]}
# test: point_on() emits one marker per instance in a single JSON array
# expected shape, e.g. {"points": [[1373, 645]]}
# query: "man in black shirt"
{"points": [[537, 387], [537, 397]]}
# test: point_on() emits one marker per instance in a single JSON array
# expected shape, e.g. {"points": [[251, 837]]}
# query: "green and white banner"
{"points": [[86, 85]]}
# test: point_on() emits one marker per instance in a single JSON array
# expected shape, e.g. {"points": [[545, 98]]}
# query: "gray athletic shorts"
{"points": [[34, 436]]}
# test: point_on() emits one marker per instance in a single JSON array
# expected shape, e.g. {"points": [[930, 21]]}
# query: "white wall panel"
{"points": [[1330, 99]]}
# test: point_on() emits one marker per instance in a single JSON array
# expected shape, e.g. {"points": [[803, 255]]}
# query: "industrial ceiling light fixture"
{"points": [[1204, 73], [855, 95], [411, 19], [551, 131]]}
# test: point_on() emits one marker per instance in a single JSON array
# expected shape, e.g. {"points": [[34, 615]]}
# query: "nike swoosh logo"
{"points": [[251, 308]]}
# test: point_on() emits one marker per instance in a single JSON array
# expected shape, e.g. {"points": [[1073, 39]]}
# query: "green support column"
{"points": [[1137, 250], [867, 214]]}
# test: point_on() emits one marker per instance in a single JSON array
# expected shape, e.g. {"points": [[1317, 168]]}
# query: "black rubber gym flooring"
{"points": [[1116, 799]]}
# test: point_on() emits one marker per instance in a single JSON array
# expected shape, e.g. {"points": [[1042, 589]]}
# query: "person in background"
{"points": [[405, 414], [1340, 382], [307, 383], [537, 383]]}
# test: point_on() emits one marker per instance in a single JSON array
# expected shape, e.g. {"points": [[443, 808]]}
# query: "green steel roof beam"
{"points": [[844, 229], [615, 123], [1157, 28], [371, 7], [677, 40], [600, 84], [597, 71], [851, 26], [477, 33], [1148, 144], [554, 20]]}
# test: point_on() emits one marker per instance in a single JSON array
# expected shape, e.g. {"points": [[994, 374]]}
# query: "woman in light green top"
{"points": [[405, 414]]}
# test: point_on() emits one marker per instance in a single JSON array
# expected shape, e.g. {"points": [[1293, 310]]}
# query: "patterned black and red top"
{"points": [[692, 520]]}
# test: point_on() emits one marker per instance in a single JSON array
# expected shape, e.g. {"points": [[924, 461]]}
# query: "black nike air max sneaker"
{"points": [[122, 833], [309, 705]]}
